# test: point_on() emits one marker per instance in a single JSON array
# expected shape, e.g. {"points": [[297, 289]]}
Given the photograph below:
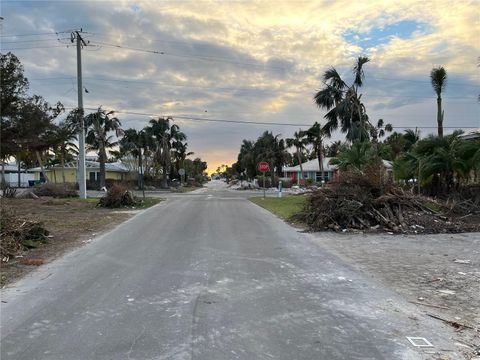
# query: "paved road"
{"points": [[209, 276]]}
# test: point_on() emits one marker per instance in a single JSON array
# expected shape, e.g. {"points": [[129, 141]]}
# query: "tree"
{"points": [[14, 84], [135, 143], [378, 131], [355, 156], [438, 77], [99, 125], [443, 158], [315, 136], [333, 149], [246, 159], [63, 137], [166, 137], [298, 141], [179, 155], [33, 125], [343, 103]]}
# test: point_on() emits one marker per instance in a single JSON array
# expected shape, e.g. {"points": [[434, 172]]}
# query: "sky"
{"points": [[259, 61]]}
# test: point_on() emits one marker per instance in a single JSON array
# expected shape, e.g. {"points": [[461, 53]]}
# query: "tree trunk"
{"points": [[140, 173], [320, 156], [103, 156], [301, 166], [164, 178], [62, 164], [3, 174], [40, 162], [439, 116], [19, 175]]}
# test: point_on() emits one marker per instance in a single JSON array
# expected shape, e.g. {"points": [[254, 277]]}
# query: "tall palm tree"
{"points": [[299, 141], [343, 103], [315, 136], [438, 77], [166, 137], [99, 125]]}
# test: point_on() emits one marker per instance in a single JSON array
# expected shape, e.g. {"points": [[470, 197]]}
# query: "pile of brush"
{"points": [[18, 234], [118, 196], [370, 200]]}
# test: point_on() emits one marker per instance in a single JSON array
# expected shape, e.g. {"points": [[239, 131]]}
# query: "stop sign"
{"points": [[263, 166]]}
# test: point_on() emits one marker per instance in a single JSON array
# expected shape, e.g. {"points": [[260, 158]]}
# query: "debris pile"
{"points": [[18, 234], [372, 201], [55, 190], [118, 196]]}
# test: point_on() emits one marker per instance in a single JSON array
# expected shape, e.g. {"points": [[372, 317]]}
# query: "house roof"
{"points": [[13, 167], [312, 165], [90, 165], [472, 135]]}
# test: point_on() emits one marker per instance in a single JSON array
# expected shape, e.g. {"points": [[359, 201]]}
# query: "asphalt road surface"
{"points": [[208, 275]]}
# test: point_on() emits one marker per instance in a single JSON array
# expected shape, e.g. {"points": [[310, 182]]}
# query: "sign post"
{"points": [[263, 167]]}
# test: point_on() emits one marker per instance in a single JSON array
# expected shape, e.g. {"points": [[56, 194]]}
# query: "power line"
{"points": [[35, 34], [35, 41], [159, 83], [36, 47], [194, 118], [204, 58]]}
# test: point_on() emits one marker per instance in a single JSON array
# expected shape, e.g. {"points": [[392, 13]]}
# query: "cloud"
{"points": [[253, 60]]}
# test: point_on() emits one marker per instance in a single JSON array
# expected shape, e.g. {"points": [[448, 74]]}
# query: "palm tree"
{"points": [[355, 156], [333, 149], [298, 141], [343, 103], [63, 143], [315, 136], [444, 159], [180, 154], [166, 137], [246, 159], [99, 125], [438, 77], [378, 131], [135, 143], [411, 137]]}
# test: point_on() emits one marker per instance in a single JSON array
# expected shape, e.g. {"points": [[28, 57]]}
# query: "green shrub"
{"points": [[55, 190]]}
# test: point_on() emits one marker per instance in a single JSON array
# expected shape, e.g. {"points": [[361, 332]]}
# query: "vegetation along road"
{"points": [[233, 283]]}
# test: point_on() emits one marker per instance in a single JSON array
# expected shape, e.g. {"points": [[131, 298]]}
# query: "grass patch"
{"points": [[148, 202], [284, 207]]}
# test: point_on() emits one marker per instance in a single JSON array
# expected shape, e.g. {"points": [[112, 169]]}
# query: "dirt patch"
{"points": [[69, 222], [439, 273]]}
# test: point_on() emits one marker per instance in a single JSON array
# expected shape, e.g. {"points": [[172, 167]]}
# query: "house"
{"points": [[113, 171], [472, 135], [311, 171], [10, 173]]}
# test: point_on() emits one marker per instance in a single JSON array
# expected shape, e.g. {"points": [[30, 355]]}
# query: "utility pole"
{"points": [[82, 180]]}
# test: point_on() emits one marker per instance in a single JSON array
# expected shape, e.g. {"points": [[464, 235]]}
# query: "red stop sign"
{"points": [[263, 166]]}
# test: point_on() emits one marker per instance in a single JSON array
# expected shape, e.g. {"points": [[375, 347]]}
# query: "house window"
{"points": [[322, 176], [92, 176]]}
